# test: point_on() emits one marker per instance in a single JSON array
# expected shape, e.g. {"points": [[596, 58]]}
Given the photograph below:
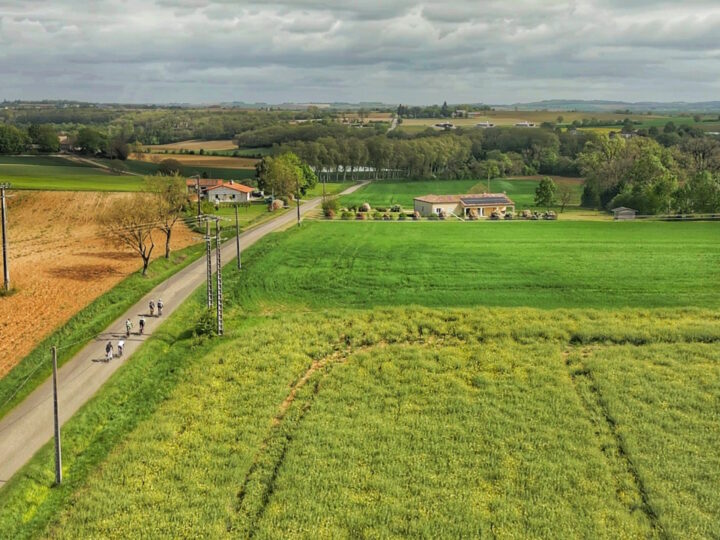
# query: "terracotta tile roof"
{"points": [[231, 185], [470, 199], [204, 182]]}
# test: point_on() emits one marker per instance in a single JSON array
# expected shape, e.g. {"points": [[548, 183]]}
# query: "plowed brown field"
{"points": [[59, 263]]}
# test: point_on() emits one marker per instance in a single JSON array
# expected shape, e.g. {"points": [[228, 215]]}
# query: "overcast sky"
{"points": [[491, 51]]}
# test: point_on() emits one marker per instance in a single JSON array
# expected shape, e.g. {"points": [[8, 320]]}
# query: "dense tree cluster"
{"points": [[437, 111], [156, 125], [433, 154], [641, 173], [285, 175]]}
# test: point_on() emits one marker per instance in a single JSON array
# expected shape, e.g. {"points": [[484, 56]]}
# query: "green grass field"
{"points": [[539, 264], [375, 383], [59, 174], [386, 193], [53, 173]]}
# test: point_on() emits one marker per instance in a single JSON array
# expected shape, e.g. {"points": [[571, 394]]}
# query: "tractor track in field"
{"points": [[271, 454], [614, 450]]}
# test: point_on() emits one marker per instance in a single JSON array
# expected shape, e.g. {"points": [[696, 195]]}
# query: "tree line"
{"points": [[642, 174]]}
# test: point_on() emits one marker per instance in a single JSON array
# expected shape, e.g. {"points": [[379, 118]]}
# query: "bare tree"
{"points": [[131, 222], [171, 197]]}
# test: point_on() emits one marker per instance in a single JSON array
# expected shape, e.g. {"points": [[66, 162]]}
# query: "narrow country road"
{"points": [[26, 428]]}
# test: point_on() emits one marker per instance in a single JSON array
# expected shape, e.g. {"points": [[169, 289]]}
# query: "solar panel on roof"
{"points": [[484, 200]]}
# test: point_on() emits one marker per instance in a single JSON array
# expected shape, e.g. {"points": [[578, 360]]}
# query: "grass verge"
{"points": [[85, 324]]}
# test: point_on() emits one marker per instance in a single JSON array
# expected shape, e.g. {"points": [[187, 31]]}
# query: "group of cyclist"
{"points": [[109, 350]]}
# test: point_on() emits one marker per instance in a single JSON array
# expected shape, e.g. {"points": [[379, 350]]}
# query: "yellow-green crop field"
{"points": [[362, 391]]}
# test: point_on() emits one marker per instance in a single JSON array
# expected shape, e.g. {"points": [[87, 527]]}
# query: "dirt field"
{"points": [[59, 264], [194, 145], [220, 162]]}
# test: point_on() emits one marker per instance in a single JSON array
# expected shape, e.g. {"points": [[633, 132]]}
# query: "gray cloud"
{"points": [[407, 51]]}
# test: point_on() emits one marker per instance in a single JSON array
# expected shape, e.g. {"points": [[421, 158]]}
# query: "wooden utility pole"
{"points": [[208, 257], [297, 199], [237, 236], [3, 218], [58, 453], [218, 241], [197, 189]]}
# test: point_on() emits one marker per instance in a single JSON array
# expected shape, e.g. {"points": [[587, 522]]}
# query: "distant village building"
{"points": [[525, 124], [484, 125], [622, 213], [484, 204]]}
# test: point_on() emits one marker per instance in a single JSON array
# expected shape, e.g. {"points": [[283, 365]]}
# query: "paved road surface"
{"points": [[25, 429]]}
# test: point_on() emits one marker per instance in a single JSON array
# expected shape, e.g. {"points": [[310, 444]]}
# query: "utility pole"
{"points": [[3, 218], [58, 454], [219, 279], [297, 199], [197, 190], [237, 236], [208, 257]]}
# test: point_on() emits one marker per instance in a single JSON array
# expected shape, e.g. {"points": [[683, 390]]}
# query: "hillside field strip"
{"points": [[383, 193], [505, 118], [194, 145], [58, 174], [50, 173], [510, 379], [215, 162]]}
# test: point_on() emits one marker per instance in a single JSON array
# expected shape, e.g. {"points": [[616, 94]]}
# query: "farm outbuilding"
{"points": [[483, 204], [203, 183], [623, 213], [229, 192]]}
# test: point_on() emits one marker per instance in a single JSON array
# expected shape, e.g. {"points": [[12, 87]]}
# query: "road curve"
{"points": [[26, 428]]}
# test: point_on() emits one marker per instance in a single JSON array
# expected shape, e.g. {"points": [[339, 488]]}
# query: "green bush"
{"points": [[347, 215], [205, 325], [330, 206]]}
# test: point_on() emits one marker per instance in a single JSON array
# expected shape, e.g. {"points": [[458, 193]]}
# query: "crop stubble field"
{"points": [[351, 410]]}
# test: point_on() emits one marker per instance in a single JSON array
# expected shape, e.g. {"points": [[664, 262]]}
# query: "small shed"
{"points": [[622, 213]]}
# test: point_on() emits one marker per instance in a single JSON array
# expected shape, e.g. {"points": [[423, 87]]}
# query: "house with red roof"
{"points": [[227, 192]]}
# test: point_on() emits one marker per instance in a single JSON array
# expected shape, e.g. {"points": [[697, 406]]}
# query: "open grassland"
{"points": [[521, 190], [529, 263], [331, 188], [337, 406], [54, 173]]}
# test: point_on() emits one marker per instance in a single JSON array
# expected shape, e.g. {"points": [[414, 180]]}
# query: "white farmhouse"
{"points": [[229, 192]]}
